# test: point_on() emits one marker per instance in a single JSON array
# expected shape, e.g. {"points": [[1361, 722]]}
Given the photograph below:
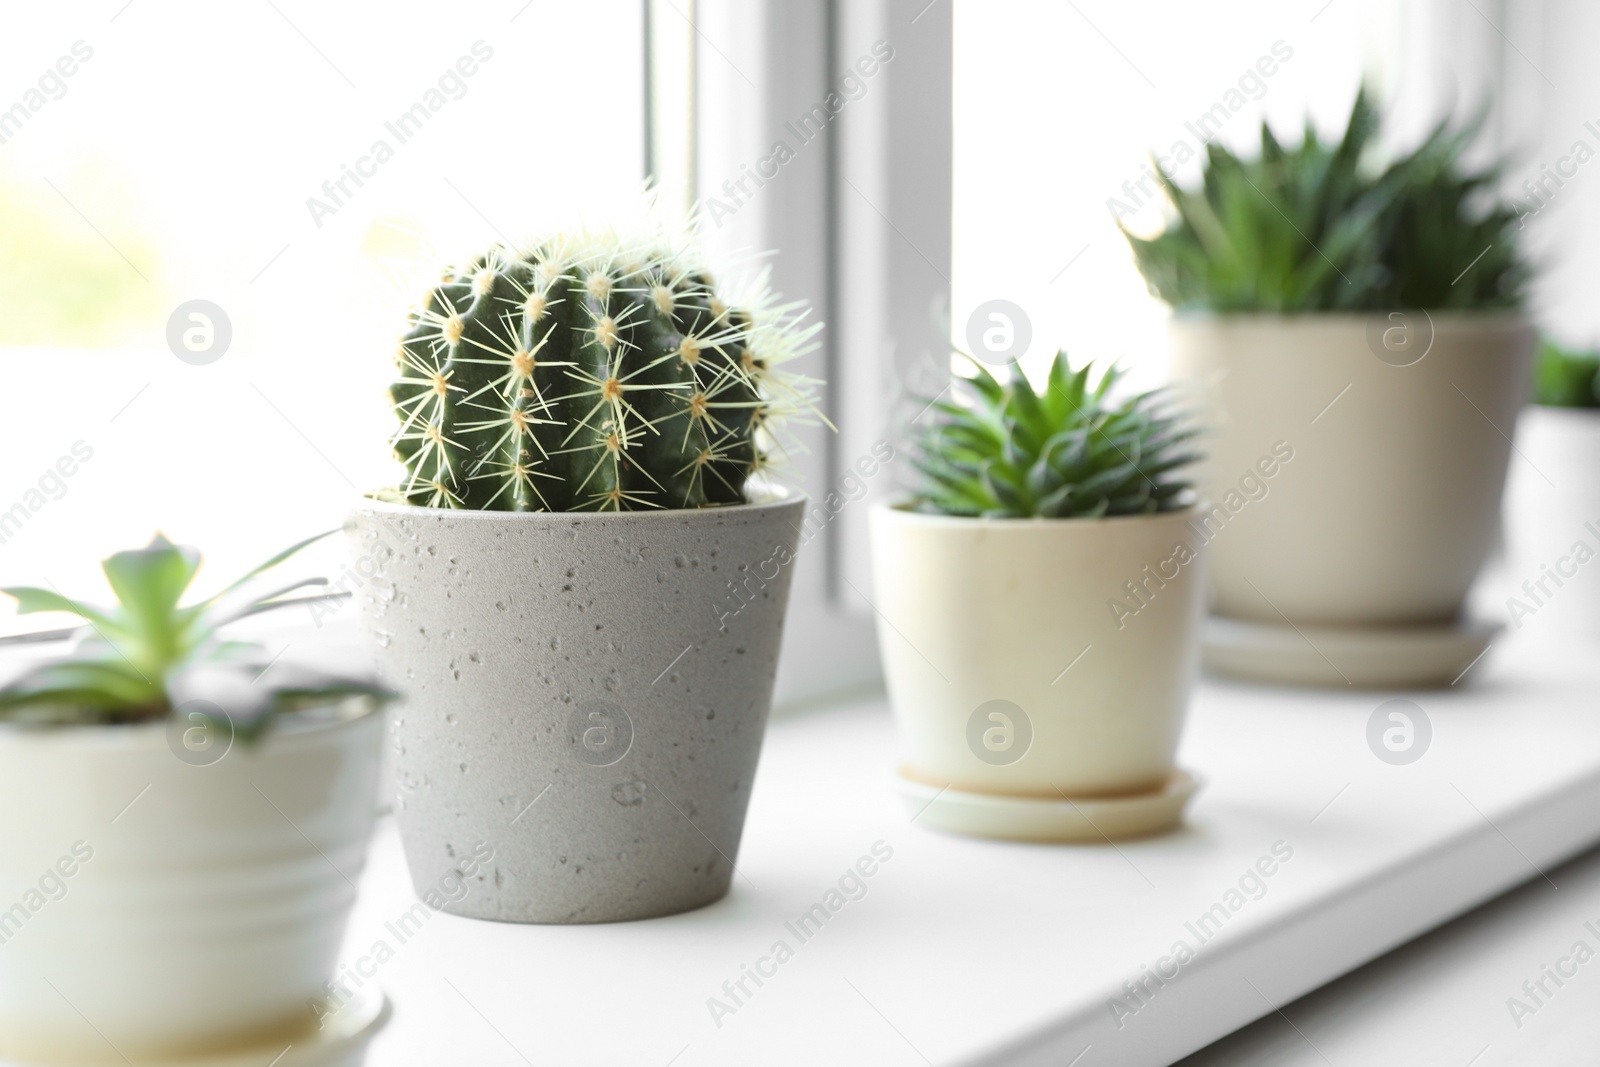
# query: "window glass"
{"points": [[298, 167], [1058, 107]]}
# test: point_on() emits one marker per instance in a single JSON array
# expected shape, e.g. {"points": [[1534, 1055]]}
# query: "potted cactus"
{"points": [[581, 579], [1552, 514], [185, 817], [1039, 600], [1366, 319]]}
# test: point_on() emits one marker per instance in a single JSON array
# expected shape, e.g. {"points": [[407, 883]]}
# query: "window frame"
{"points": [[860, 214]]}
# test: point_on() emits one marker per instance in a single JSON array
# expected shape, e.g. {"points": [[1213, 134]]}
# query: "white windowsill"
{"points": [[965, 951]]}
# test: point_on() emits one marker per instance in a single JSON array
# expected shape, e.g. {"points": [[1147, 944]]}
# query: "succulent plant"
{"points": [[1317, 227], [1005, 450], [147, 656], [1565, 378], [591, 372]]}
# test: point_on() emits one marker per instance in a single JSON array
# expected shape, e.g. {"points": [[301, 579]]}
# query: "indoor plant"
{"points": [[185, 818], [1552, 514], [580, 582], [1365, 321], [1039, 601]]}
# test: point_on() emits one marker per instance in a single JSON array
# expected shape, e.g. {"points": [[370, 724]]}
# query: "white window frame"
{"points": [[860, 217]]}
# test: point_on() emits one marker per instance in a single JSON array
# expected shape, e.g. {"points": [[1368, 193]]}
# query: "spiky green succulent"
{"points": [[1004, 450], [1566, 378], [589, 372], [147, 657], [1320, 227]]}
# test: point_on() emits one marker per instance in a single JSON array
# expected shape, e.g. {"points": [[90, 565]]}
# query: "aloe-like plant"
{"points": [[1005, 450], [147, 656], [1566, 378], [1324, 227], [592, 372]]}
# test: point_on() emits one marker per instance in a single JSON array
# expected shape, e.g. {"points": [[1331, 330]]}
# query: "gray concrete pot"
{"points": [[585, 698]]}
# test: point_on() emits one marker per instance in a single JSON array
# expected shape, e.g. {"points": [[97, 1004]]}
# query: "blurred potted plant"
{"points": [[581, 580], [1367, 320], [1553, 500], [1039, 600], [185, 819]]}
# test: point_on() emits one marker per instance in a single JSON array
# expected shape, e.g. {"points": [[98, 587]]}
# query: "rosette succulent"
{"points": [[1566, 378], [146, 657], [1325, 227], [1005, 450]]}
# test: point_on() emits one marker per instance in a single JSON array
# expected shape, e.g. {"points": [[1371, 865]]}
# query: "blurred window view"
{"points": [[1040, 188], [292, 165]]}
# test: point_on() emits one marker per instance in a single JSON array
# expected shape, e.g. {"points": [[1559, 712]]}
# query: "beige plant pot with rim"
{"points": [[1045, 660], [1387, 438]]}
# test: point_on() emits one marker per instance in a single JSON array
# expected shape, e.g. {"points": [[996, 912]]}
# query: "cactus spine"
{"points": [[591, 373]]}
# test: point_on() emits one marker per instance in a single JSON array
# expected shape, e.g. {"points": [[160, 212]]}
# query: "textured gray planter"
{"points": [[585, 698]]}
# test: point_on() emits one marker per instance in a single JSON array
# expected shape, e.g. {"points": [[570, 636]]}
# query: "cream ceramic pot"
{"points": [[1552, 520], [1038, 657], [159, 906], [1356, 461]]}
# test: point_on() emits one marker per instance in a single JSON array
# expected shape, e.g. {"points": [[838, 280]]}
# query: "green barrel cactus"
{"points": [[592, 373]]}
